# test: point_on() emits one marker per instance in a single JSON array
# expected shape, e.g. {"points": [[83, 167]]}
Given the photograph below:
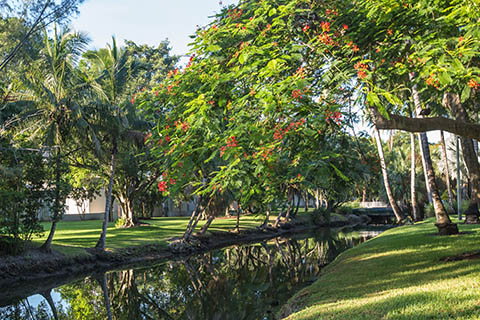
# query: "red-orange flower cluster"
{"points": [[162, 186], [279, 132], [431, 81], [361, 70], [231, 143], [325, 26], [473, 84], [335, 116]]}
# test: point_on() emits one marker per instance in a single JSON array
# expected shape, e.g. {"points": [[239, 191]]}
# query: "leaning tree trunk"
{"points": [[443, 224], [193, 220], [447, 171], [388, 189], [413, 189], [452, 101], [103, 236], [48, 296]]}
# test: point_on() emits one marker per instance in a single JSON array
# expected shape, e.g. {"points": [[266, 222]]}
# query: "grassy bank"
{"points": [[72, 237], [398, 275]]}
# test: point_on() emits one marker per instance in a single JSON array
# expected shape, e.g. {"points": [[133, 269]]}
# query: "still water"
{"points": [[239, 282]]}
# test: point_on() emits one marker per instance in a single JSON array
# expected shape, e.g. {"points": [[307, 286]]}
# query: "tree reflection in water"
{"points": [[239, 282]]}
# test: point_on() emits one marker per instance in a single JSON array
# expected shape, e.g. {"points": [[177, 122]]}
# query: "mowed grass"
{"points": [[72, 237], [398, 275]]}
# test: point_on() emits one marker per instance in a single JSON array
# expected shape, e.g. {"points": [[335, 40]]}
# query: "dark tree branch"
{"points": [[461, 128]]}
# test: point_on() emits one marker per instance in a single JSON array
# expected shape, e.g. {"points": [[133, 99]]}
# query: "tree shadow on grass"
{"points": [[416, 306]]}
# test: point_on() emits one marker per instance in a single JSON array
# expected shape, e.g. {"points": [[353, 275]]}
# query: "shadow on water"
{"points": [[238, 282]]}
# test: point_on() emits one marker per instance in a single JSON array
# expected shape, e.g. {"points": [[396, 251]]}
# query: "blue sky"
{"points": [[145, 21]]}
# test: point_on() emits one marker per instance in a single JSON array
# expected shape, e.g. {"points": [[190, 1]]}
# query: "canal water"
{"points": [[239, 282]]}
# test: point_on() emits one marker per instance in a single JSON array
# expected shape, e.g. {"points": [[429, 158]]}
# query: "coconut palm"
{"points": [[55, 114], [112, 70]]}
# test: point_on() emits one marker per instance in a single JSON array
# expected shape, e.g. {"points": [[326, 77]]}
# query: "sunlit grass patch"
{"points": [[398, 275]]}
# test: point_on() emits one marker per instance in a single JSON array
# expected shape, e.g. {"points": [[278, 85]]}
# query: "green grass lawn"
{"points": [[397, 275], [71, 237]]}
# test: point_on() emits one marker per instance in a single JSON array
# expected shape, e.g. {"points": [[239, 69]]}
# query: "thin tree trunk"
{"points": [[48, 296], [193, 221], [388, 189], [101, 243], [102, 280], [239, 211], [317, 199], [47, 246], [364, 194], [267, 217], [444, 224], [207, 225], [427, 185], [413, 189], [447, 171], [306, 198]]}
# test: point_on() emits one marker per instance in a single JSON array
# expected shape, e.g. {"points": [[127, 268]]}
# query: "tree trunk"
{"points": [[103, 236], [317, 199], [364, 194], [447, 171], [193, 221], [207, 225], [102, 281], [239, 211], [388, 189], [267, 217], [47, 245], [413, 189], [452, 101], [48, 296], [444, 224], [425, 175], [306, 198]]}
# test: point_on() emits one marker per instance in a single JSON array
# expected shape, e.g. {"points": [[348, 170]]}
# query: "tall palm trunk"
{"points": [[425, 174], [103, 236], [444, 224], [413, 188], [447, 171], [57, 208], [388, 189]]}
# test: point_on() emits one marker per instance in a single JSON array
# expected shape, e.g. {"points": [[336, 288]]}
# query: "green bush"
{"points": [[120, 223]]}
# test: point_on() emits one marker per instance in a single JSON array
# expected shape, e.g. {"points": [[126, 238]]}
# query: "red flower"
{"points": [[172, 181], [305, 28], [162, 186], [345, 27], [167, 138], [325, 26], [473, 84]]}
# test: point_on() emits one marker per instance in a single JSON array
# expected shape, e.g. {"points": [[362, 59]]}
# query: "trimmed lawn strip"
{"points": [[72, 237], [398, 275]]}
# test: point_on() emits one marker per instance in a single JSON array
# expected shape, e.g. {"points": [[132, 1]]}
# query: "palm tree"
{"points": [[112, 70], [444, 224], [388, 189], [57, 116]]}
